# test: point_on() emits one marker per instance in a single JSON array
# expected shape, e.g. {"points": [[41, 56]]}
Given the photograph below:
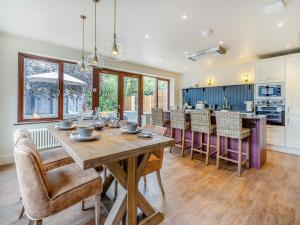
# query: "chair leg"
{"points": [[97, 208], [145, 180], [226, 146], [218, 152], [31, 222], [116, 188], [182, 143], [192, 145], [240, 157], [207, 148], [171, 137], [160, 182], [39, 222], [104, 173], [247, 152], [21, 213]]}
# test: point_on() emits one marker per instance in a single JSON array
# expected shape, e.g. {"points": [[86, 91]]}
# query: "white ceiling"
{"points": [[241, 24]]}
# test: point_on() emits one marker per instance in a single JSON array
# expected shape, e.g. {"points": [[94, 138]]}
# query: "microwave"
{"points": [[270, 90]]}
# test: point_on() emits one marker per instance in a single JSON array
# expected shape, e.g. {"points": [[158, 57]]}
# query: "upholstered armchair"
{"points": [[46, 193]]}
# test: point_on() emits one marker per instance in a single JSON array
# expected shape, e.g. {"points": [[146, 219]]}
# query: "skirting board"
{"points": [[287, 150], [6, 159]]}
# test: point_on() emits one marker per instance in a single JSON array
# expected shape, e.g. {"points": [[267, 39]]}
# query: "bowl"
{"points": [[131, 126], [66, 123], [85, 131]]}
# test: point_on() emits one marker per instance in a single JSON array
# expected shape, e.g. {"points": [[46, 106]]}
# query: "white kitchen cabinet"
{"points": [[270, 70], [293, 101], [275, 135]]}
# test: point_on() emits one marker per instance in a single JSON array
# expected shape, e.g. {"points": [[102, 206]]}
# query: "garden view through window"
{"points": [[53, 89]]}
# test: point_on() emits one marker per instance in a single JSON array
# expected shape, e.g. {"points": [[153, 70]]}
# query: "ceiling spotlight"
{"points": [[185, 67], [209, 62], [147, 36], [160, 60], [280, 24], [274, 7], [186, 52], [184, 16], [288, 46], [240, 56], [221, 42]]}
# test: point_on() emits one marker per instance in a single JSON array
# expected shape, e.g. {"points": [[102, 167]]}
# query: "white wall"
{"points": [[224, 74], [9, 47]]}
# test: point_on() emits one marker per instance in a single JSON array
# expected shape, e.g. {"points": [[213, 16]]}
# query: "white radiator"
{"points": [[43, 139]]}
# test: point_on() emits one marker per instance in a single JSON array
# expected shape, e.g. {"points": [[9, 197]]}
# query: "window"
{"points": [[51, 89], [163, 94], [149, 93], [77, 90]]}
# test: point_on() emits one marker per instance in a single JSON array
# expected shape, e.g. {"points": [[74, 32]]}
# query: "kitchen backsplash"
{"points": [[236, 95]]}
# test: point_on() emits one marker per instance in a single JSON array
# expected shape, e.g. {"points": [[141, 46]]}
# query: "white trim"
{"points": [[287, 150], [6, 159]]}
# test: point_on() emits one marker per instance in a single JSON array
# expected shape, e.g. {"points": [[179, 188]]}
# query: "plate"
{"points": [[114, 126], [59, 127], [125, 130], [143, 135], [75, 136], [87, 118]]}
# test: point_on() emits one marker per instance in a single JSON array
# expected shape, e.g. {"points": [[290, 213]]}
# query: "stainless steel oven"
{"points": [[274, 110], [269, 90]]}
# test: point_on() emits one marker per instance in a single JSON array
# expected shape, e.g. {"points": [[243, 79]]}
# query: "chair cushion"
{"points": [[70, 184], [245, 133], [55, 158]]}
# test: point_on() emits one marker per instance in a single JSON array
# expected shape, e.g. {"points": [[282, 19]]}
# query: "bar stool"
{"points": [[201, 122], [178, 122], [158, 117], [229, 125]]}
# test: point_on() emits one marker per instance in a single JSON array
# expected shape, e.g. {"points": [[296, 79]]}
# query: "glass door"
{"points": [[131, 98], [108, 94]]}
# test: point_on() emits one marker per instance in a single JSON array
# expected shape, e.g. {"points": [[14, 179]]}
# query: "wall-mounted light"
{"points": [[246, 78], [209, 83]]}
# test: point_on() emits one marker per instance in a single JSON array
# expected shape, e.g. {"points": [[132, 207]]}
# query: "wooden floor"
{"points": [[196, 194]]}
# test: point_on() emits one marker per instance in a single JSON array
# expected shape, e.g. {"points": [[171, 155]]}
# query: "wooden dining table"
{"points": [[113, 150]]}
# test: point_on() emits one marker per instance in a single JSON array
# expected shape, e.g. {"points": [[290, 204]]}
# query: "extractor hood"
{"points": [[207, 52]]}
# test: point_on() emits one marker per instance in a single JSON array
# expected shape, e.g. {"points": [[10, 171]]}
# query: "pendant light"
{"points": [[83, 66], [115, 50], [95, 59]]}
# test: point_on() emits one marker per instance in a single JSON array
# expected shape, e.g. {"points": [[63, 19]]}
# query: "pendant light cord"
{"points": [[83, 18], [115, 17], [95, 25]]}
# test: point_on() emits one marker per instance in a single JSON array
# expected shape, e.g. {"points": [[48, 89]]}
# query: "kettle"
{"points": [[249, 106]]}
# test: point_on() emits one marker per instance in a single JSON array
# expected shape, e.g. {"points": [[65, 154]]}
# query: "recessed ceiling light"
{"points": [[274, 7], [288, 46], [209, 62], [186, 52], [160, 60], [147, 36], [240, 56], [221, 42], [185, 67], [280, 24], [184, 16]]}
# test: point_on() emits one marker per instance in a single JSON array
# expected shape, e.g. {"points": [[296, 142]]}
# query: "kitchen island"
{"points": [[257, 126]]}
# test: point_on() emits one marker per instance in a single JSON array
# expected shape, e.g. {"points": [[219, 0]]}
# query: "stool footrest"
{"points": [[234, 151]]}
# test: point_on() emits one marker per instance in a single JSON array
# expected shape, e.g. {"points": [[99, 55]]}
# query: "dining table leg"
{"points": [[128, 201]]}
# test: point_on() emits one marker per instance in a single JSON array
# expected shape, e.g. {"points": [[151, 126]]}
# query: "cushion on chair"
{"points": [[54, 158], [70, 184], [20, 134], [245, 133]]}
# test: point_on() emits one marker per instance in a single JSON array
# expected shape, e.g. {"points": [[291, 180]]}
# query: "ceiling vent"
{"points": [[274, 7], [207, 52]]}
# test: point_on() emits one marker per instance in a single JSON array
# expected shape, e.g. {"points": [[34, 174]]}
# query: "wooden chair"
{"points": [[201, 122], [229, 125], [51, 159], [47, 193], [156, 159], [178, 121], [158, 117]]}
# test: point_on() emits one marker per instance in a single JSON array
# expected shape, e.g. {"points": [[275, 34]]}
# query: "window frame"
{"points": [[95, 87], [21, 59]]}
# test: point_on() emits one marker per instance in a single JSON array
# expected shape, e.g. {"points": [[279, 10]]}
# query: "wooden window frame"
{"points": [[21, 59], [95, 88]]}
